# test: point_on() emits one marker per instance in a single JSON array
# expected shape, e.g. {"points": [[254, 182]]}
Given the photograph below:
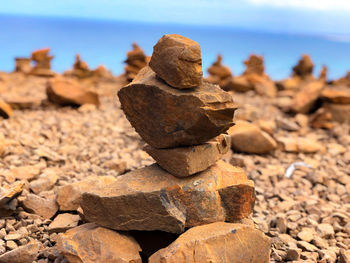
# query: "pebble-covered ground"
{"points": [[306, 215]]}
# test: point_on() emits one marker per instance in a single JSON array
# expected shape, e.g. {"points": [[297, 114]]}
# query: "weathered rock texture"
{"points": [[185, 161], [167, 117], [69, 196], [67, 92], [152, 199], [23, 254], [90, 243], [177, 60], [338, 95], [217, 243], [249, 138]]}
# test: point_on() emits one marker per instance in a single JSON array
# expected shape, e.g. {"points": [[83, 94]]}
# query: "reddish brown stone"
{"points": [[217, 243], [5, 109], [68, 92], [23, 65], [185, 161], [166, 117], [23, 254], [305, 99], [136, 60], [43, 206], [152, 199], [177, 60], [90, 243], [338, 95], [248, 138], [69, 196]]}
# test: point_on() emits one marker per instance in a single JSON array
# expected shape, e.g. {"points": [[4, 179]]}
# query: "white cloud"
{"points": [[323, 5]]}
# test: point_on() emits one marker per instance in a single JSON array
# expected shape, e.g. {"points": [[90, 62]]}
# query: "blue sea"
{"points": [[106, 42]]}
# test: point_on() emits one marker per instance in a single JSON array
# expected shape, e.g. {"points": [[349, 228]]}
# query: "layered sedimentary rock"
{"points": [[337, 95], [90, 243], [152, 199], [185, 161], [166, 117], [217, 242], [42, 61], [177, 60], [68, 92], [136, 60]]}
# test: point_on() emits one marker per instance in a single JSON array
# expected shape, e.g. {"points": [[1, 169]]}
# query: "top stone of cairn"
{"points": [[177, 60]]}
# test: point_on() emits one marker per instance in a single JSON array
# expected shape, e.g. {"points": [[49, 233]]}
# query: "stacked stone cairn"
{"points": [[42, 61], [183, 120], [136, 60]]}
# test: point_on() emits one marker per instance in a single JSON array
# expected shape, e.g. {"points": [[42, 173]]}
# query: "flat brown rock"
{"points": [[152, 199], [185, 161], [177, 60], [249, 138], [239, 84], [305, 99], [5, 109], [67, 92], [299, 144], [166, 117], [69, 196], [43, 206], [338, 95], [217, 243], [23, 254], [63, 222], [90, 243]]}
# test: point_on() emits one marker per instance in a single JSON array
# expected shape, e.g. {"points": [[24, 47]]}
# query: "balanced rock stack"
{"points": [[136, 60], [219, 73], [182, 119], [42, 61], [23, 65]]}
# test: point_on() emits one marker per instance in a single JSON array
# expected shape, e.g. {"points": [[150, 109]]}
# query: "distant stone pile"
{"points": [[136, 60], [182, 119], [81, 70], [253, 78], [42, 60]]}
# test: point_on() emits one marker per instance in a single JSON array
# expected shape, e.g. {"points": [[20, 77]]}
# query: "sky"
{"points": [[292, 16]]}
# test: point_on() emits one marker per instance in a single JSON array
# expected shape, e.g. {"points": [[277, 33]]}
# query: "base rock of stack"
{"points": [[185, 161], [90, 243], [217, 243], [68, 92], [166, 117], [152, 199], [177, 60]]}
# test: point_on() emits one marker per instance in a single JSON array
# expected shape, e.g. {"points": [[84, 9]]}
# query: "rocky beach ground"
{"points": [[46, 147]]}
